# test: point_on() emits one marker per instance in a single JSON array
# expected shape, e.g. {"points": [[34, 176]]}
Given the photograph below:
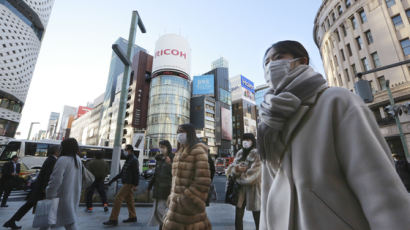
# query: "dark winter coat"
{"points": [[39, 186], [403, 169], [130, 173], [8, 169], [162, 179], [99, 168]]}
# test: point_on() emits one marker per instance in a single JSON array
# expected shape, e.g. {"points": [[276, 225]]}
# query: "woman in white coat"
{"points": [[65, 183], [325, 163]]}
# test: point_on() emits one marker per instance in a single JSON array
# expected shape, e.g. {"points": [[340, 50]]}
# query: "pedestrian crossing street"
{"points": [[18, 195]]}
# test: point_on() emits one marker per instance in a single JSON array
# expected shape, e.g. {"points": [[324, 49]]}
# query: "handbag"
{"points": [[46, 213], [88, 178], [232, 191]]}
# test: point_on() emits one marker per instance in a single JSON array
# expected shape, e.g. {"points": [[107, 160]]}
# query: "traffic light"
{"points": [[397, 110], [406, 108], [394, 111]]}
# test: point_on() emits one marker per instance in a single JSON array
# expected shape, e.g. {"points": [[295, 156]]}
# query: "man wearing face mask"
{"points": [[246, 169], [130, 178]]}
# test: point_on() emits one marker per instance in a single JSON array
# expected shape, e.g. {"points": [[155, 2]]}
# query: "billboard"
{"points": [[247, 84], [138, 141], [82, 110], [172, 52], [226, 120], [203, 85]]}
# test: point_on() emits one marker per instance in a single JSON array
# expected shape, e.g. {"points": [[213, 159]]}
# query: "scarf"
{"points": [[280, 104]]}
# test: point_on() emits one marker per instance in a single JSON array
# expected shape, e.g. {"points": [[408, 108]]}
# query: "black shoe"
{"points": [[111, 223], [11, 224], [4, 206], [130, 220]]}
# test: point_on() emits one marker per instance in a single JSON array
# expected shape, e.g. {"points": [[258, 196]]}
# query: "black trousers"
{"points": [[6, 185], [99, 185], [239, 212]]}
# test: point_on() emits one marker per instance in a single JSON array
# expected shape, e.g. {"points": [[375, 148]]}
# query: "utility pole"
{"points": [[115, 162]]}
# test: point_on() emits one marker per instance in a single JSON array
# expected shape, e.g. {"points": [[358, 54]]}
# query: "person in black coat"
{"points": [[162, 182], [10, 174], [212, 170], [130, 178], [403, 169], [38, 191]]}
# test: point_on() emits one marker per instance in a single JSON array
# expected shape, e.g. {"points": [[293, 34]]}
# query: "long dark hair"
{"points": [[69, 147], [294, 48], [168, 145], [191, 135]]}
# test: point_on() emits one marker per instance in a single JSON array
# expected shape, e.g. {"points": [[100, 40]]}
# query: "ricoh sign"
{"points": [[172, 52]]}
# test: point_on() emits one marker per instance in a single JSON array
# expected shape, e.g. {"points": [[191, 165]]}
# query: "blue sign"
{"points": [[247, 84], [203, 85]]}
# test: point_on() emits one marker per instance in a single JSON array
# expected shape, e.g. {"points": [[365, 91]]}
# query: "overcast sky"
{"points": [[73, 64]]}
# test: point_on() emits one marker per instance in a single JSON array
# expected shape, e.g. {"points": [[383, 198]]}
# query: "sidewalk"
{"points": [[222, 217]]}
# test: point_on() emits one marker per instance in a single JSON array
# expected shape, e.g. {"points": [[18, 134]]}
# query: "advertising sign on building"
{"points": [[226, 120], [172, 52], [82, 110], [247, 84], [203, 85], [138, 141]]}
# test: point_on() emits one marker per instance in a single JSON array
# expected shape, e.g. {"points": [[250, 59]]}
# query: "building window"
{"points": [[359, 42], [369, 37], [344, 30], [405, 45], [354, 22], [390, 3], [365, 64], [336, 62], [397, 21], [348, 3], [340, 79], [382, 82], [337, 35], [408, 14], [376, 60], [327, 23], [333, 16], [349, 50], [363, 16], [347, 75], [354, 69], [339, 10], [343, 55]]}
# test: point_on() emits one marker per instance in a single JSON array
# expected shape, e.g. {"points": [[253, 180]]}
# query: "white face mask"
{"points": [[163, 150], [246, 144], [276, 71], [126, 153], [181, 138]]}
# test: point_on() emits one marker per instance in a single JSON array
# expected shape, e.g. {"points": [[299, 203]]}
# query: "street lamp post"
{"points": [[31, 126], [136, 20]]}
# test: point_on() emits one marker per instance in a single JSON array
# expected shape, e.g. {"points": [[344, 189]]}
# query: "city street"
{"points": [[222, 217]]}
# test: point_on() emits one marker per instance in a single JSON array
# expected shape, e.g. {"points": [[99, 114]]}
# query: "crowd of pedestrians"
{"points": [[304, 171]]}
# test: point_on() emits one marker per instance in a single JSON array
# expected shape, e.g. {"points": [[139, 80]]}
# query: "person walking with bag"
{"points": [[65, 184], [99, 168], [161, 181], [246, 171], [190, 185], [312, 140], [130, 178], [38, 191]]}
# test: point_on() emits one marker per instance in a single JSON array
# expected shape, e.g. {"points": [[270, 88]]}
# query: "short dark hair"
{"points": [[53, 150], [296, 49], [129, 147], [14, 157]]}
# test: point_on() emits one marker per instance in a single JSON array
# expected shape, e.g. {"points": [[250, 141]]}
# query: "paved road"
{"points": [[220, 183], [221, 216]]}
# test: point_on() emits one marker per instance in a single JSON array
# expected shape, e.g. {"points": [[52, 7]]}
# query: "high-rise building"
{"points": [[68, 111], [220, 63], [260, 92], [356, 36], [22, 26], [52, 125], [115, 73], [243, 109], [170, 90]]}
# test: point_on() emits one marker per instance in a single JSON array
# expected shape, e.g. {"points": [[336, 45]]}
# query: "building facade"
{"points": [[22, 26], [52, 125], [170, 90], [243, 109], [260, 92], [68, 112], [357, 36]]}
